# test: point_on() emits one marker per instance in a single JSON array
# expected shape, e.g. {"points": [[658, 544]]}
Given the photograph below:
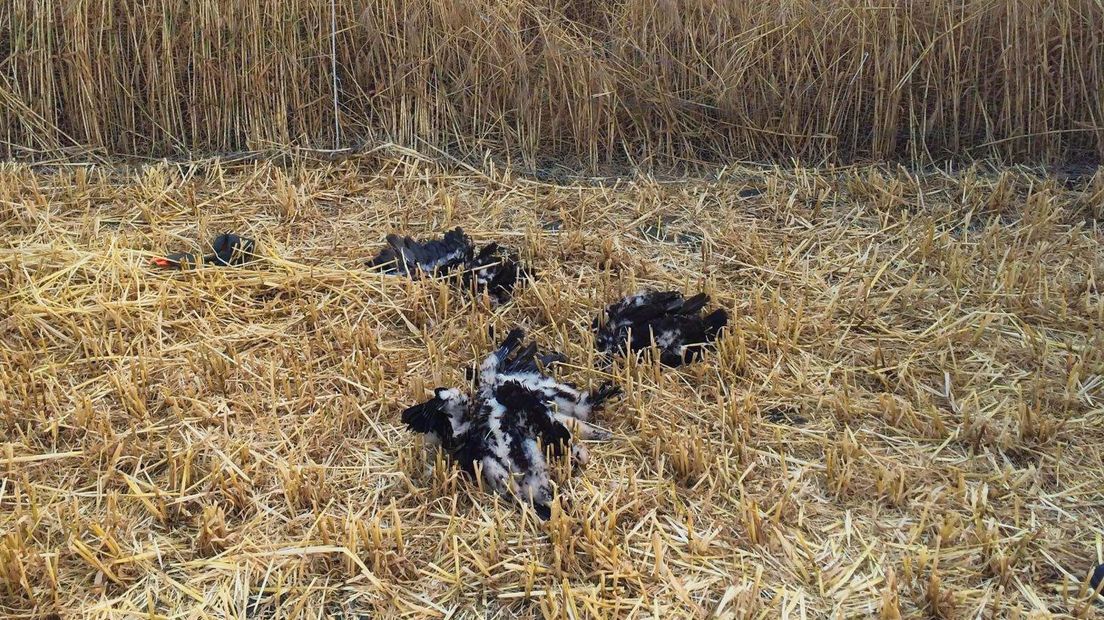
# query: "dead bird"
{"points": [[434, 258], [517, 412], [494, 269], [228, 249], [664, 318]]}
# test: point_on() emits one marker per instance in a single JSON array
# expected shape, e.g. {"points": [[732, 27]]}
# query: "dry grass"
{"points": [[650, 83], [905, 419]]}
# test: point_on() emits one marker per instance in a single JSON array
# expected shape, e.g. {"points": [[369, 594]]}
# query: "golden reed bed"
{"points": [[904, 420], [651, 83]]}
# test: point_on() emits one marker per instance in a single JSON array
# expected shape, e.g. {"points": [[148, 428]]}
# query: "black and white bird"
{"points": [[517, 412], [493, 269], [405, 256], [673, 323]]}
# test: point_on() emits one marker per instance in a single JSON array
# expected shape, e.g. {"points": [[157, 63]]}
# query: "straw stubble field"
{"points": [[904, 418]]}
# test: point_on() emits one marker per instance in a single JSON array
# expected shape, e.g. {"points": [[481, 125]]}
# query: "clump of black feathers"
{"points": [[673, 323], [227, 250], [516, 412], [493, 269]]}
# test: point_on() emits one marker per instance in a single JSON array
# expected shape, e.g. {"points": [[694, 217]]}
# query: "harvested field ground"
{"points": [[904, 419]]}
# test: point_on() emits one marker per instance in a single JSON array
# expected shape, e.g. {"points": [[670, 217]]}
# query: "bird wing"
{"points": [[509, 344], [528, 407], [446, 254], [641, 308], [496, 270], [429, 417], [691, 305], [434, 257]]}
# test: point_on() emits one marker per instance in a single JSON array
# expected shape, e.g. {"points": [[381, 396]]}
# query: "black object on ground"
{"points": [[228, 249]]}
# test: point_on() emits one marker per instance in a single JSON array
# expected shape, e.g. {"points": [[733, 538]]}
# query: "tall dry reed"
{"points": [[648, 82]]}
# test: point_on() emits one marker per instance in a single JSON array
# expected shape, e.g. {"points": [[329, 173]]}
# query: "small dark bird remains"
{"points": [[672, 323], [405, 256], [227, 249], [493, 269]]}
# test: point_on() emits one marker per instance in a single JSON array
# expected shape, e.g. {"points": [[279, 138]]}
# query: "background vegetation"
{"points": [[575, 83]]}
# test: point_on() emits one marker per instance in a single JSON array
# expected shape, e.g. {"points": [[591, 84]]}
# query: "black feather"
{"points": [[548, 359], [543, 511], [495, 270], [228, 249], [663, 318], [430, 417], [437, 257], [534, 413], [692, 305], [604, 392], [714, 322], [509, 344], [1097, 577]]}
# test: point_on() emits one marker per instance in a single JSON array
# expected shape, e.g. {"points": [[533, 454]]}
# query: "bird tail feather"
{"points": [[715, 322], [605, 392], [694, 304]]}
